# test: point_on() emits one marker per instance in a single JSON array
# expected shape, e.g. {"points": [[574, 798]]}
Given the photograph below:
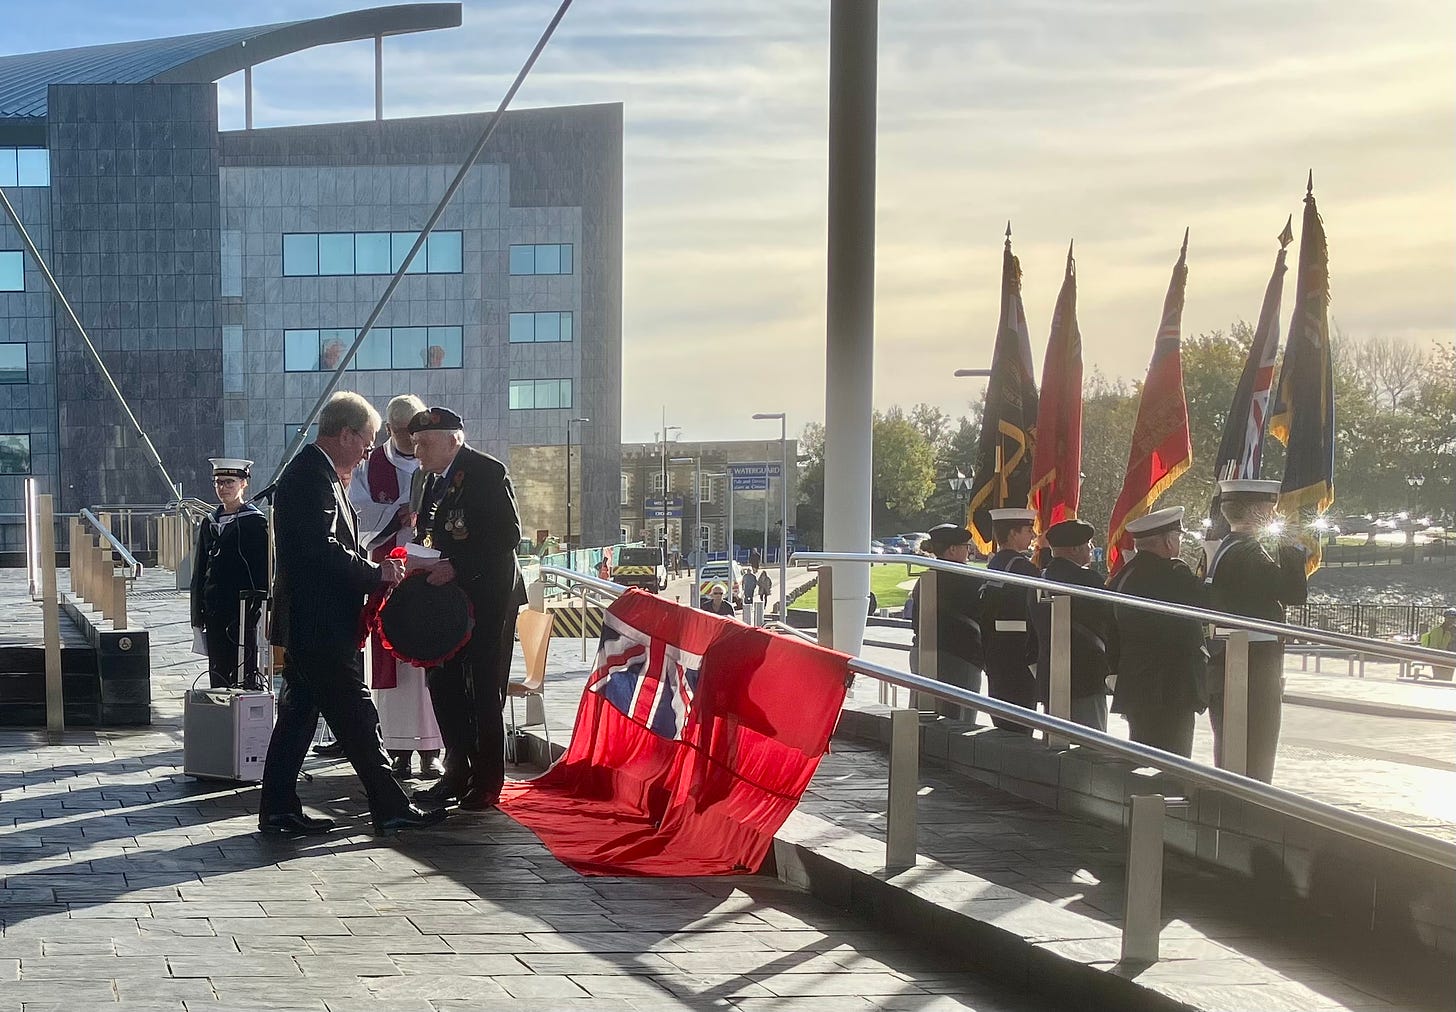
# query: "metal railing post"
{"points": [[826, 610], [927, 638], [50, 620], [1143, 907], [1059, 699], [583, 621], [900, 820], [1235, 748]]}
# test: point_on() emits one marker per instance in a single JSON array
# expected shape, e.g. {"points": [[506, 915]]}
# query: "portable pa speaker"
{"points": [[225, 734]]}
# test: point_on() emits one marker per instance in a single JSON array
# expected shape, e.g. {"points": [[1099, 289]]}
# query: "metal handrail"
{"points": [[111, 539], [1218, 619], [1277, 799], [1361, 827]]}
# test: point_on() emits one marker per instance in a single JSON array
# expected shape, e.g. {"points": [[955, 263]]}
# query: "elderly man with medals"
{"points": [[380, 491], [230, 565], [468, 516], [1245, 578]]}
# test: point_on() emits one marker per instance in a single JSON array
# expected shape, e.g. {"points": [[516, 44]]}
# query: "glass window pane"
{"points": [[7, 168], [231, 259], [300, 254], [548, 328], [33, 166], [375, 352], [548, 394], [333, 344], [445, 348], [232, 360], [522, 395], [399, 245], [409, 347], [565, 393], [566, 258], [442, 253], [566, 326], [336, 253], [371, 253], [12, 271], [523, 259], [12, 363], [15, 454], [300, 350], [548, 259], [523, 328]]}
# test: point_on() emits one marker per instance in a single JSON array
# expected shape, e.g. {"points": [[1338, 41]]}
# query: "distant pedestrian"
{"points": [[714, 603], [1162, 661], [1441, 636], [750, 587], [765, 587]]}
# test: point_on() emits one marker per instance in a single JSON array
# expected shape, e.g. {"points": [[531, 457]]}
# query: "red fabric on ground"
{"points": [[693, 789]]}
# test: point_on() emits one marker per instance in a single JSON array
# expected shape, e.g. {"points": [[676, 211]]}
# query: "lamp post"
{"points": [[570, 545], [961, 486], [783, 420], [697, 463], [663, 436]]}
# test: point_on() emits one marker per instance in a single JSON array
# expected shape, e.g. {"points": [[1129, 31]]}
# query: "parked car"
{"points": [[730, 574]]}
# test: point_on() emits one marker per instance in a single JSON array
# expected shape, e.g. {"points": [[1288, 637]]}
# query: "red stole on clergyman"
{"points": [[383, 487]]}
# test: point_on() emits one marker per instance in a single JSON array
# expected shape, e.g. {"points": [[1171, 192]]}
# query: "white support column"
{"points": [[826, 612], [1236, 702], [850, 333], [900, 819]]}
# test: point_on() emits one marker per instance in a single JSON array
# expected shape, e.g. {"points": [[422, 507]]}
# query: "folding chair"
{"points": [[533, 628]]}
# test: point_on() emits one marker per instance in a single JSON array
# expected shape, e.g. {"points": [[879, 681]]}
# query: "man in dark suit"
{"points": [[469, 516], [1094, 635], [1162, 676], [319, 589]]}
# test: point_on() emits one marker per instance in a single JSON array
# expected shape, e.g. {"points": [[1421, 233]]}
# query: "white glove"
{"points": [[199, 641]]}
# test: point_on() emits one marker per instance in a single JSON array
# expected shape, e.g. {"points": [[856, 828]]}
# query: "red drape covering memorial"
{"points": [[694, 740]]}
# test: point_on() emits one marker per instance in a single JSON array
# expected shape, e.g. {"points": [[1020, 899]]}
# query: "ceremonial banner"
{"points": [[694, 740], [1161, 445], [1002, 475], [1056, 468], [1242, 448], [1304, 408]]}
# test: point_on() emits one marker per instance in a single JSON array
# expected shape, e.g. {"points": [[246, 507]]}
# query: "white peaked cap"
{"points": [[1157, 522], [1025, 516]]}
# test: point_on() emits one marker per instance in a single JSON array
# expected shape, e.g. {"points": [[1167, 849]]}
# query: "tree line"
{"points": [[1395, 419]]}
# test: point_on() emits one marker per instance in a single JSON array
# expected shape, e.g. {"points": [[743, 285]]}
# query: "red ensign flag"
{"points": [[1056, 467], [1161, 446]]}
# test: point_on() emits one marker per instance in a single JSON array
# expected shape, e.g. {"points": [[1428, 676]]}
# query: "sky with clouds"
{"points": [[1115, 123]]}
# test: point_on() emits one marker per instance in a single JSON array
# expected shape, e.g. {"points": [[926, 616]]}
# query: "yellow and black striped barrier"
{"points": [[566, 619]]}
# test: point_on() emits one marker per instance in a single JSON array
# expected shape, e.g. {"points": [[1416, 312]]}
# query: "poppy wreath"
{"points": [[442, 613]]}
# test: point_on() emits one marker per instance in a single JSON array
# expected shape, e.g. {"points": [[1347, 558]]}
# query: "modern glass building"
{"points": [[222, 274]]}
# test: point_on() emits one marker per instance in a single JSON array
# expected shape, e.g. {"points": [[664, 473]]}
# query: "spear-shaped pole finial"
{"points": [[1309, 187], [1008, 233], [1287, 236], [1184, 251], [1070, 262]]}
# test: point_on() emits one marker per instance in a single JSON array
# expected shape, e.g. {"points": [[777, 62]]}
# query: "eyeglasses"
{"points": [[220, 482]]}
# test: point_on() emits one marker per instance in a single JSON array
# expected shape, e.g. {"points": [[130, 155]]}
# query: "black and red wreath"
{"points": [[422, 623]]}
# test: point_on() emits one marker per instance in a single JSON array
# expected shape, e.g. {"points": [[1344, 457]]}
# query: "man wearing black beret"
{"points": [[468, 514], [1094, 633]]}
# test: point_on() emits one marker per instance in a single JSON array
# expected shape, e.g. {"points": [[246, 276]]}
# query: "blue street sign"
{"points": [[759, 484], [754, 477], [662, 509]]}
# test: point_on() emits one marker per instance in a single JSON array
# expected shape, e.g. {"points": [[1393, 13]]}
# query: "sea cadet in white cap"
{"points": [[1005, 625], [230, 563]]}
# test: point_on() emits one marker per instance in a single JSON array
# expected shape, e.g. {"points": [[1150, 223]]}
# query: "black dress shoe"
{"points": [[478, 801], [410, 818], [333, 750], [399, 765], [293, 824], [442, 793]]}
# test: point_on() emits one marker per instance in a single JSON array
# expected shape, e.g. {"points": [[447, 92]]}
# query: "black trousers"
{"points": [[1168, 729], [220, 631], [1266, 701], [1012, 681], [333, 685], [468, 693]]}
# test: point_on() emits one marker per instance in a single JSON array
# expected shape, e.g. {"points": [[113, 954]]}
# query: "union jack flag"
{"points": [[651, 681]]}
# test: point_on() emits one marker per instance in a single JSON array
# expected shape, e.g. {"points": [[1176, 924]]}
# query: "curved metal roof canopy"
{"points": [[206, 57]]}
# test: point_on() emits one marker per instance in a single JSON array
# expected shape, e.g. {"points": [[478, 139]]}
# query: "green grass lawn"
{"points": [[883, 581]]}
